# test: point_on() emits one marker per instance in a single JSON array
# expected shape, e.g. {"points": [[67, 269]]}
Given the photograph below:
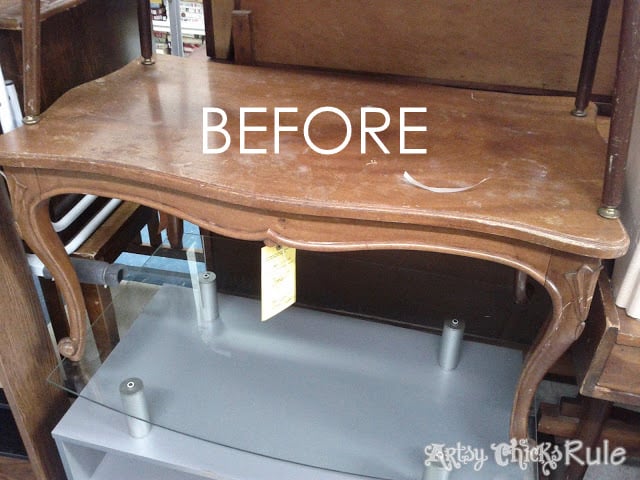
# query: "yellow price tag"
{"points": [[278, 280]]}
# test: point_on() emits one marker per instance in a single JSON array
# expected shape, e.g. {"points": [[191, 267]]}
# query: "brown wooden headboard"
{"points": [[527, 44]]}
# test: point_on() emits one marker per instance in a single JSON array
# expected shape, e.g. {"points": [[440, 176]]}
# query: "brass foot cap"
{"points": [[31, 119], [609, 212]]}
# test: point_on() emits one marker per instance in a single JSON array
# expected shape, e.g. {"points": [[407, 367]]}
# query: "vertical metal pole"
{"points": [[624, 103], [209, 297], [175, 24], [31, 61], [134, 404], [451, 344], [435, 472], [144, 26], [597, 22]]}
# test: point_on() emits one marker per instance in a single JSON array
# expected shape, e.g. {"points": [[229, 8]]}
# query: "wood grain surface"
{"points": [[27, 356], [543, 167], [15, 469], [525, 43]]}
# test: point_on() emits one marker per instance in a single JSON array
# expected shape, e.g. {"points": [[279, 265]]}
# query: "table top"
{"points": [[541, 168]]}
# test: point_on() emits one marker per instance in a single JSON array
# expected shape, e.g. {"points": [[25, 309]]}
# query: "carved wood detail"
{"points": [[570, 282], [31, 210], [582, 283]]}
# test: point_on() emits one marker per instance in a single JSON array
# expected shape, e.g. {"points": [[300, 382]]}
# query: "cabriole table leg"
{"points": [[570, 282]]}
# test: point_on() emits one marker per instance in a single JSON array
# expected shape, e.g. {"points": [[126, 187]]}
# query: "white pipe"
{"points": [[36, 265], [15, 103], [74, 213], [626, 281], [92, 226], [6, 114]]}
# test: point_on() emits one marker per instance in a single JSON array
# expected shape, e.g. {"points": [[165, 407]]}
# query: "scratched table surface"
{"points": [[540, 168]]}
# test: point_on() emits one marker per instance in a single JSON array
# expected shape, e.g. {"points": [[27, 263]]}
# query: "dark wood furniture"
{"points": [[608, 354], [15, 469], [592, 421], [606, 368], [26, 353], [447, 42], [96, 45]]}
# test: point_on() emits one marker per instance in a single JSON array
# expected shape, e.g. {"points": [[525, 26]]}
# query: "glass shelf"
{"points": [[323, 390]]}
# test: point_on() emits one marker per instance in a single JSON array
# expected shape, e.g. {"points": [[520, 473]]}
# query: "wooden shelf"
{"points": [[608, 353]]}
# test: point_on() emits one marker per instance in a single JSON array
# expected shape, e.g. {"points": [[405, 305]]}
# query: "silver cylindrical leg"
{"points": [[435, 472], [135, 407], [451, 344], [209, 296]]}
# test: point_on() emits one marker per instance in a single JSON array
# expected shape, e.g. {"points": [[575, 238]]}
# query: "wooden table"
{"points": [[137, 134]]}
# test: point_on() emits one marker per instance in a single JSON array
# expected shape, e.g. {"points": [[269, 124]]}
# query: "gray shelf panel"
{"points": [[121, 468], [307, 387], [90, 433]]}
